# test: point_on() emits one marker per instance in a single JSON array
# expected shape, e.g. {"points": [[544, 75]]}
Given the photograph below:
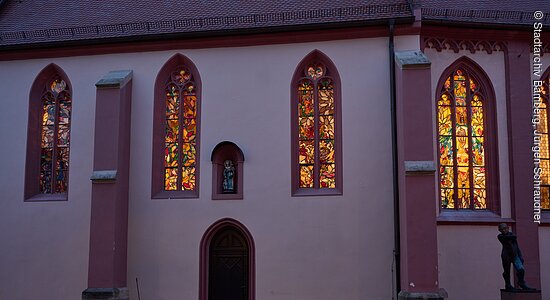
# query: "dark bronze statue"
{"points": [[511, 255]]}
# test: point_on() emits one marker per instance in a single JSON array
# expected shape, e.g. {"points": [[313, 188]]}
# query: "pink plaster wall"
{"points": [[469, 262], [337, 247], [44, 253], [544, 250], [306, 248]]}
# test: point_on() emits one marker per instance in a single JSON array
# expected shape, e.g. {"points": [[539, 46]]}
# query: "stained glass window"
{"points": [[316, 128], [55, 136], [542, 130], [180, 125], [461, 126]]}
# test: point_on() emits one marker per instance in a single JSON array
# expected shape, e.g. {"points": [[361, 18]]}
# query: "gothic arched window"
{"points": [[50, 106], [466, 138], [176, 130], [316, 155]]}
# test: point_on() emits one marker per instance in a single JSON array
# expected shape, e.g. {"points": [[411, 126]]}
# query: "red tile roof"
{"points": [[40, 21], [510, 12], [31, 22]]}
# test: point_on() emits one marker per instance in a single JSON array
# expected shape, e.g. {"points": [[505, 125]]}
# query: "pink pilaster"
{"points": [[110, 181], [520, 137], [417, 194]]}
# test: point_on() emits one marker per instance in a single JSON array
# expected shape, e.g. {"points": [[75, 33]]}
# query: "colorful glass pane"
{"points": [[462, 155], [188, 178], [307, 128], [542, 126], [461, 121], [48, 111], [171, 179], [306, 176], [57, 86], [545, 197], [46, 159], [189, 130], [478, 156], [479, 177], [463, 177], [55, 134], [447, 85], [477, 121], [446, 150], [473, 86], [446, 177], [477, 100], [60, 180], [544, 146], [307, 152], [172, 102], [326, 99], [444, 100], [447, 198], [327, 176], [172, 130], [545, 166], [46, 182], [171, 153], [305, 99], [444, 119], [480, 199], [326, 127], [47, 136], [316, 129], [315, 71], [463, 197], [190, 106], [63, 135], [180, 126], [189, 153], [460, 88], [62, 159], [182, 76], [326, 151], [64, 112]]}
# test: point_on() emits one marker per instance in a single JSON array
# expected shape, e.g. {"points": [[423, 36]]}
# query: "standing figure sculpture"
{"points": [[511, 255], [228, 177]]}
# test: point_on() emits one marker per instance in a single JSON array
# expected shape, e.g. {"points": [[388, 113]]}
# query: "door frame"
{"points": [[205, 255]]}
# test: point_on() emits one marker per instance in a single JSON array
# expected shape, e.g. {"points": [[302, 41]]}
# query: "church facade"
{"points": [[281, 150]]}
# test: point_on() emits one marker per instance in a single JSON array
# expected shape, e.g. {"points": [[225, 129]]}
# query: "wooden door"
{"points": [[228, 266]]}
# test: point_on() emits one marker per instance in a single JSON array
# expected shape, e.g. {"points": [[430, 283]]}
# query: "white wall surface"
{"points": [[337, 247]]}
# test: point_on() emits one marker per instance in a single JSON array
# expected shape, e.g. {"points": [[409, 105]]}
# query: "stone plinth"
{"points": [[105, 294], [520, 295]]}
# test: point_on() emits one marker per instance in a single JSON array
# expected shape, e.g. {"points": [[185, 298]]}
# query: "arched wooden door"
{"points": [[228, 269]]}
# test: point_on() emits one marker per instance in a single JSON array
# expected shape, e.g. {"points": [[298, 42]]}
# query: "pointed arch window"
{"points": [[176, 128], [542, 136], [466, 139], [48, 147], [316, 137]]}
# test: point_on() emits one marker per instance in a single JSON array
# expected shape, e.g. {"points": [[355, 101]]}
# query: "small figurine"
{"points": [[511, 255], [228, 177]]}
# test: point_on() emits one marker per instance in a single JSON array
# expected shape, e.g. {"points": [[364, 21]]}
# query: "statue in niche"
{"points": [[228, 177]]}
